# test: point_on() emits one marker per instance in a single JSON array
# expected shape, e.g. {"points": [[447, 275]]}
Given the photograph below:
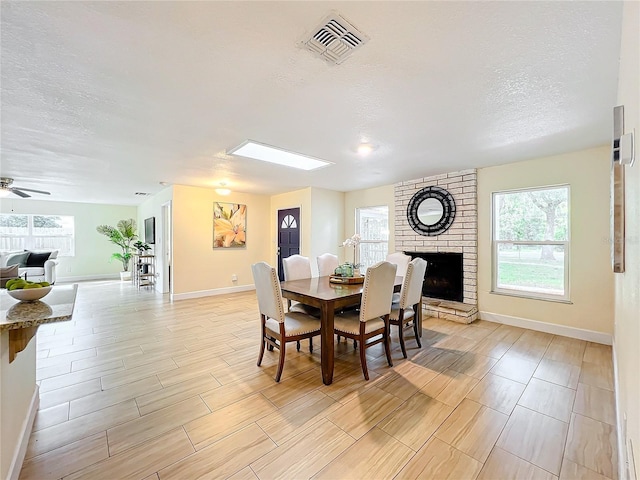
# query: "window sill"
{"points": [[531, 297]]}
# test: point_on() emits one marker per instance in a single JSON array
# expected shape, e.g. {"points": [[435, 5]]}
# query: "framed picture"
{"points": [[617, 195], [229, 225]]}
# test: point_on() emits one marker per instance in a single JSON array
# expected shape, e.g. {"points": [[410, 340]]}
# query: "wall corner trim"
{"points": [[212, 292], [23, 443], [553, 328]]}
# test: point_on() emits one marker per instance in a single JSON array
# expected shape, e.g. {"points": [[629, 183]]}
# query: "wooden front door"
{"points": [[288, 236]]}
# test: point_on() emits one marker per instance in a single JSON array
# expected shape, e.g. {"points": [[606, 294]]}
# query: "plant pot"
{"points": [[124, 276]]}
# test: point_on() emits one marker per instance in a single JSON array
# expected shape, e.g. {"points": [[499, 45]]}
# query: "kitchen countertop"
{"points": [[56, 306]]}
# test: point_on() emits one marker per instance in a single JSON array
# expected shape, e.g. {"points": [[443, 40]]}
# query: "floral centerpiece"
{"points": [[353, 241]]}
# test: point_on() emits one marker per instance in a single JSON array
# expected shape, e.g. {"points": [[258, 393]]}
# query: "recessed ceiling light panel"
{"points": [[267, 153]]}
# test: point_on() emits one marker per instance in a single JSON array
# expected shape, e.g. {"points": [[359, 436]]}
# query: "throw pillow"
{"points": [[19, 259], [37, 259], [7, 273]]}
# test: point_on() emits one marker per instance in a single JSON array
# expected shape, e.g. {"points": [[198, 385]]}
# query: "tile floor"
{"points": [[136, 387]]}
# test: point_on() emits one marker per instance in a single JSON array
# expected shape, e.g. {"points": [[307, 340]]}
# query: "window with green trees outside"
{"points": [[531, 242]]}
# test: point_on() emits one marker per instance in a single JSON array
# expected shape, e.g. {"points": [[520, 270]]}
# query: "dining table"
{"points": [[328, 297]]}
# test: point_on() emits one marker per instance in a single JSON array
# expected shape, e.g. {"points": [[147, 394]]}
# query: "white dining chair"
{"points": [[406, 309], [372, 320], [296, 267], [402, 261], [327, 264], [278, 327]]}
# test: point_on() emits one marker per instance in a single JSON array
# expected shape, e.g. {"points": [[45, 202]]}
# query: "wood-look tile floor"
{"points": [[137, 387]]}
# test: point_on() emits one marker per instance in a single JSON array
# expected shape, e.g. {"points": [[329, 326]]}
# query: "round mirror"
{"points": [[431, 211]]}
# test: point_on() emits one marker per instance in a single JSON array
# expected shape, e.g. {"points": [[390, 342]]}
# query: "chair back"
{"points": [[268, 291], [296, 267], [411, 292], [378, 291], [327, 264], [401, 260]]}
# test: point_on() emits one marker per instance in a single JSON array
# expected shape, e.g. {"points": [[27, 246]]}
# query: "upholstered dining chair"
{"points": [[372, 320], [406, 309], [327, 264], [296, 267], [277, 327], [402, 261]]}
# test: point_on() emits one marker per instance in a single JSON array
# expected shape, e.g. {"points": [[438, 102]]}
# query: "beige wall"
{"points": [[591, 278], [92, 250], [197, 267], [327, 224], [370, 197], [627, 285]]}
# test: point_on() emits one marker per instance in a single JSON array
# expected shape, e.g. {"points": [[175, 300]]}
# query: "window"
{"points": [[531, 243], [37, 232], [372, 223]]}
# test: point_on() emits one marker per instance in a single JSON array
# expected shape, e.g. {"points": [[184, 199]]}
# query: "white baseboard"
{"points": [[553, 328], [86, 278], [210, 293], [27, 425]]}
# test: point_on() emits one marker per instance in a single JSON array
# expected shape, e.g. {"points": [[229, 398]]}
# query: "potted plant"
{"points": [[141, 247], [123, 236]]}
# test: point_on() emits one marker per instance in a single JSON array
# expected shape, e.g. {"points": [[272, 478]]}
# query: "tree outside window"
{"points": [[372, 223], [531, 242]]}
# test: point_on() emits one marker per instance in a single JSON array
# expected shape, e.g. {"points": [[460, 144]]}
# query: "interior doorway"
{"points": [[288, 235]]}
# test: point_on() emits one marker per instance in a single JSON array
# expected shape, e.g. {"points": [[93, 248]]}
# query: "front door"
{"points": [[288, 236]]}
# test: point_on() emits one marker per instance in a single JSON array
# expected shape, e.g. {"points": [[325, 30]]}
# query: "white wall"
{"points": [[627, 285], [370, 197], [92, 250], [587, 172], [198, 268]]}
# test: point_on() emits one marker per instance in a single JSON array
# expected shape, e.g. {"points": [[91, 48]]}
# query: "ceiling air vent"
{"points": [[334, 39], [142, 194]]}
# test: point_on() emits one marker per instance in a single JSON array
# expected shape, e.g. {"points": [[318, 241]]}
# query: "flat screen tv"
{"points": [[150, 230]]}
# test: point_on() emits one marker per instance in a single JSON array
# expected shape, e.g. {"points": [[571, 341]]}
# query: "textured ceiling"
{"points": [[104, 99]]}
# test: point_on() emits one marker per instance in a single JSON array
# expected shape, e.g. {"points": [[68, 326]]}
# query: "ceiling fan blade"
{"points": [[18, 192], [31, 190]]}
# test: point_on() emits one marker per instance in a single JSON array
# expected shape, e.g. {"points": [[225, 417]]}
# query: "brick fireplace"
{"points": [[461, 238]]}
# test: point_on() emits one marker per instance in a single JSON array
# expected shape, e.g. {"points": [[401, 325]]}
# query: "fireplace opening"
{"points": [[443, 278]]}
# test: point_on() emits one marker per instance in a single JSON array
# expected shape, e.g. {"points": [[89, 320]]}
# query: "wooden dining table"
{"points": [[328, 297]]}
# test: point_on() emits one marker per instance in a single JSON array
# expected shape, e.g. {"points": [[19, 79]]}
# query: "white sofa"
{"points": [[40, 269]]}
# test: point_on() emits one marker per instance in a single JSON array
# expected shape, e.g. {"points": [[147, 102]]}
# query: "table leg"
{"points": [[326, 342]]}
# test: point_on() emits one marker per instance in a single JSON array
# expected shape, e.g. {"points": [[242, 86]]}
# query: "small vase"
{"points": [[356, 272]]}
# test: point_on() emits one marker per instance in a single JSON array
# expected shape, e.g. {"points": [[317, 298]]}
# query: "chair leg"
{"points": [[387, 343], [298, 345], [401, 338], [355, 344], [310, 344], [415, 331], [270, 347], [261, 354], [363, 361], [338, 338], [283, 348]]}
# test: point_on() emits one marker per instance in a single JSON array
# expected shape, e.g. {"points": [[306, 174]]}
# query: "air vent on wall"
{"points": [[142, 194], [334, 39]]}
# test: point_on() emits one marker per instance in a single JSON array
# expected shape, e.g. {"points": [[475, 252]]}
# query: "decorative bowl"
{"points": [[29, 294]]}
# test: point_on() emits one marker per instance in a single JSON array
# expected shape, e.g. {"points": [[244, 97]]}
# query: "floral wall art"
{"points": [[229, 225]]}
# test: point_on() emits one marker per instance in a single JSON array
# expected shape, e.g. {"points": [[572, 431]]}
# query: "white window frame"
{"points": [[29, 237], [525, 293], [357, 229]]}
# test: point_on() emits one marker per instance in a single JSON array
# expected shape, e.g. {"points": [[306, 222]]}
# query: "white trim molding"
{"points": [[87, 278], [27, 425], [212, 292], [553, 328]]}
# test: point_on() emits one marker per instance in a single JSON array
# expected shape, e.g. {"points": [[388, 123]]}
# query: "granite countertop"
{"points": [[56, 306]]}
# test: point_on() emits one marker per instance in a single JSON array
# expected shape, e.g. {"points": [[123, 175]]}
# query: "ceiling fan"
{"points": [[6, 189]]}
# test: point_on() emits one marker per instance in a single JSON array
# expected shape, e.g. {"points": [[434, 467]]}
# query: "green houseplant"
{"points": [[122, 235]]}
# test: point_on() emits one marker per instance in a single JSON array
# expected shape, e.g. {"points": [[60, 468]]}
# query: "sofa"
{"points": [[37, 266]]}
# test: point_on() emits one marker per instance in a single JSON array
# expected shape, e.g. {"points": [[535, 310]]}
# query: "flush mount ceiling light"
{"points": [[223, 191], [365, 149], [267, 153]]}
